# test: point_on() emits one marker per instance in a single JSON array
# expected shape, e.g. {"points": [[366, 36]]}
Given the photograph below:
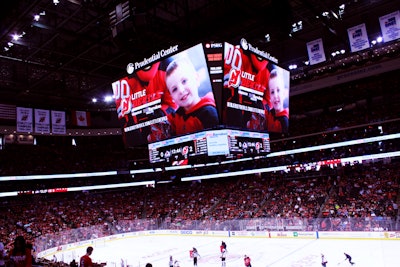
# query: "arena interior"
{"points": [[330, 185]]}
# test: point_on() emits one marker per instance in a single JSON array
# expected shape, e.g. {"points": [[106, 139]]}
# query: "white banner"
{"points": [[316, 53], [42, 121], [58, 122], [390, 26], [24, 120], [358, 38]]}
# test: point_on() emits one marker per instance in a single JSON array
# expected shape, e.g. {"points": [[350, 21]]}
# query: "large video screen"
{"points": [[223, 142], [168, 94], [255, 90]]}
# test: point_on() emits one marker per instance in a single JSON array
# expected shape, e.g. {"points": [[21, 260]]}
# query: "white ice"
{"points": [[264, 252]]}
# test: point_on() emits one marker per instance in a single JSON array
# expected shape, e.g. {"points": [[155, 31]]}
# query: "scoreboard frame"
{"points": [[221, 142]]}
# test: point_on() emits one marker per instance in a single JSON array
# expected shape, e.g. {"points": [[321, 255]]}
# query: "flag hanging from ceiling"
{"points": [[390, 26], [316, 53], [81, 118], [358, 38]]}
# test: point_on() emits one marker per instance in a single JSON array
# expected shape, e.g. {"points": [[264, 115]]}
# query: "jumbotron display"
{"points": [[167, 95], [182, 94], [256, 91]]}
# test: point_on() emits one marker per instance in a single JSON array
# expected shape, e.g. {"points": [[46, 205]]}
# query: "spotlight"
{"points": [[108, 98]]}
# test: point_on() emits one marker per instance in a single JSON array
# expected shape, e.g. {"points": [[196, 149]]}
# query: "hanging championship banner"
{"points": [[58, 122], [24, 120], [390, 26], [42, 121], [358, 38], [316, 53]]}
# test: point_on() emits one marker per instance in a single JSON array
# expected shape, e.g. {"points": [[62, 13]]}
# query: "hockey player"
{"points": [[195, 256], [247, 261], [223, 246], [223, 257], [323, 260], [348, 257]]}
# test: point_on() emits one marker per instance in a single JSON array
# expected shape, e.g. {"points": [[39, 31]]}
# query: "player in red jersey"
{"points": [[247, 261], [85, 260], [222, 246]]}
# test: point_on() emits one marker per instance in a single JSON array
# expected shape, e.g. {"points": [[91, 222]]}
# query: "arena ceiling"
{"points": [[73, 49]]}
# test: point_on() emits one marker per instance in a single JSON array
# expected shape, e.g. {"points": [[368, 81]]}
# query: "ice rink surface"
{"points": [[264, 252]]}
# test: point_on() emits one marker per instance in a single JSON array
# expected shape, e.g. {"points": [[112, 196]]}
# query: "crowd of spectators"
{"points": [[359, 197]]}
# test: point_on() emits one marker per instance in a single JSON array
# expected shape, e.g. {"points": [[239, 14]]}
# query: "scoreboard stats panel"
{"points": [[248, 143], [224, 142], [178, 150]]}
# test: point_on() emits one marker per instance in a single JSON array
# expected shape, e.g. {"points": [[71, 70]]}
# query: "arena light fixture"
{"points": [[108, 98]]}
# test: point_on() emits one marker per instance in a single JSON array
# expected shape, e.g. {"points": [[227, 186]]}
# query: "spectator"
{"points": [[21, 254], [85, 260]]}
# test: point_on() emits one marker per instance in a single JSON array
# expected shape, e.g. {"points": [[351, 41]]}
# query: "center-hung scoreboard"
{"points": [[235, 79]]}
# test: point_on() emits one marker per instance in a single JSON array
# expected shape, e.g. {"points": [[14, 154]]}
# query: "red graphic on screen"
{"points": [[166, 99], [253, 99]]}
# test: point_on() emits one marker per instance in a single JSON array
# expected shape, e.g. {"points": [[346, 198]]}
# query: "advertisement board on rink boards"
{"points": [[202, 239]]}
